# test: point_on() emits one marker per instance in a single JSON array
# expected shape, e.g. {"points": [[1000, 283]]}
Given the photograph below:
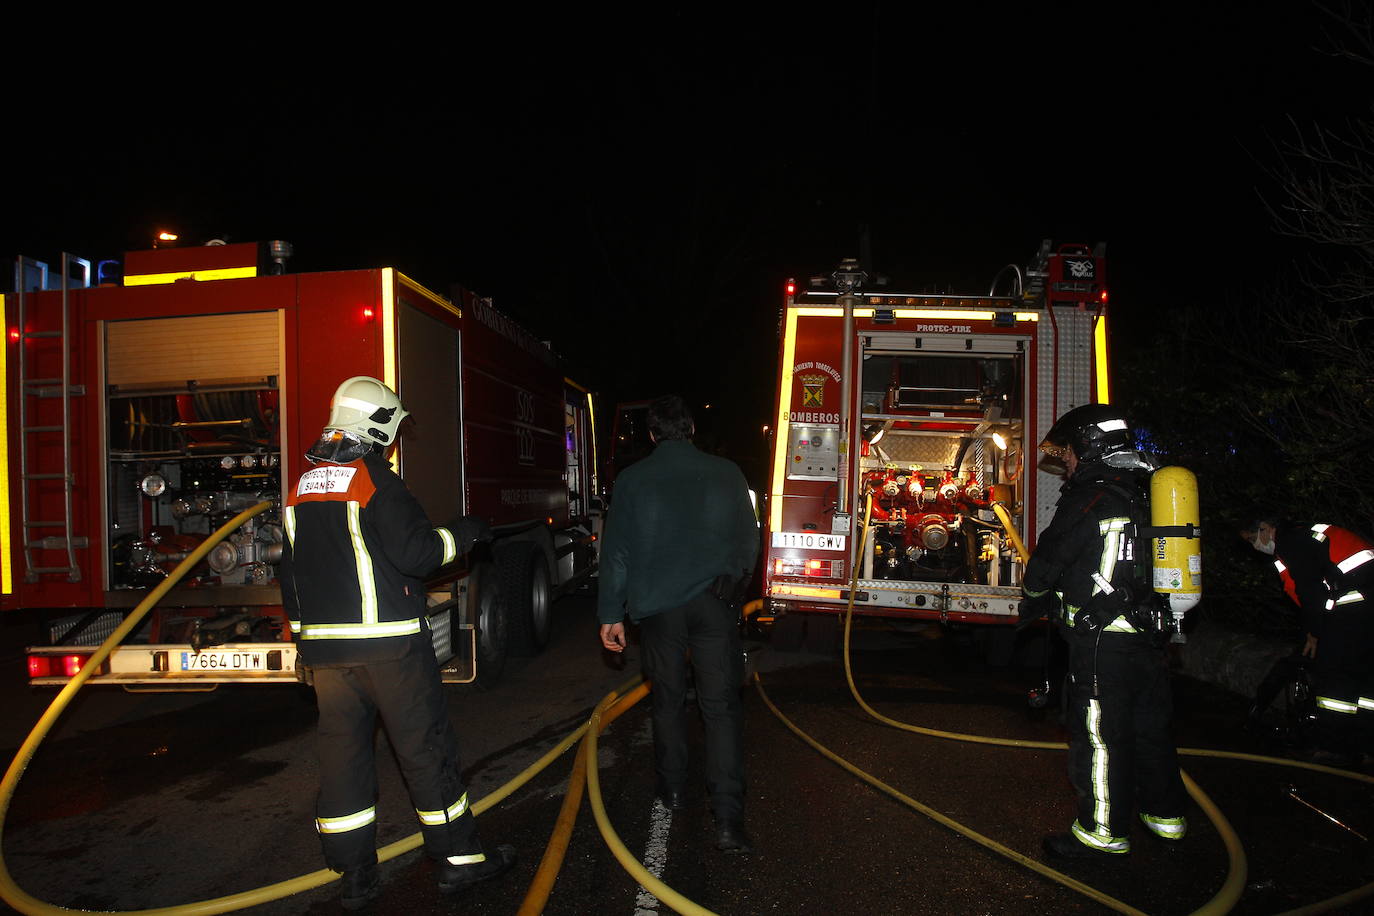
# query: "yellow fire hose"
{"points": [[1222, 902], [541, 886], [626, 859], [612, 706], [22, 901]]}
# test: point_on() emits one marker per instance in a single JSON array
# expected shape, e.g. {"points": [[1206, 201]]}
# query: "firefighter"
{"points": [[1329, 573], [358, 547], [1089, 574]]}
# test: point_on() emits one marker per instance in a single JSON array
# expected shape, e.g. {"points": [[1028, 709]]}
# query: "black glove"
{"points": [[468, 530], [1037, 606]]}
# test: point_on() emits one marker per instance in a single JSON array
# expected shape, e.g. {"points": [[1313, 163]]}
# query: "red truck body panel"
{"points": [[214, 378]]}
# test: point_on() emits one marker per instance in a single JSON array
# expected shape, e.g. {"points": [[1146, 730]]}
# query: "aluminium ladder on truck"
{"points": [[46, 534]]}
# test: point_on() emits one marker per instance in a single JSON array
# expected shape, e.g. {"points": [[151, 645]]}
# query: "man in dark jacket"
{"points": [[357, 551], [1088, 575], [681, 538], [1329, 573]]}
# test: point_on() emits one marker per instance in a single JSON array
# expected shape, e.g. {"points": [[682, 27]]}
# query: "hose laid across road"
{"points": [[24, 902], [1225, 898], [537, 895], [613, 705], [626, 859]]}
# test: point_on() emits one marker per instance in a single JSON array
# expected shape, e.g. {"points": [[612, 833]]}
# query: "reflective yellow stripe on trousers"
{"points": [[347, 822], [452, 813]]}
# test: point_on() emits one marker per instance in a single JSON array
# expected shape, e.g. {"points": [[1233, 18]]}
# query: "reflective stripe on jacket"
{"points": [[1323, 567], [358, 548], [1087, 548]]}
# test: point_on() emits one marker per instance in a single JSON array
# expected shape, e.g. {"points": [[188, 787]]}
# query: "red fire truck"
{"points": [[141, 412], [909, 422]]}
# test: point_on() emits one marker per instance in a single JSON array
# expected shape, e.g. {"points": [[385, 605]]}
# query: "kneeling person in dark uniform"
{"points": [[358, 547]]}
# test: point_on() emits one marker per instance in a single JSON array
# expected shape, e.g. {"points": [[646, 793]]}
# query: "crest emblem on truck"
{"points": [[1080, 269], [813, 390]]}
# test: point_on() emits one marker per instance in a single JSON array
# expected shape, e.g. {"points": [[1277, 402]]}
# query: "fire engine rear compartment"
{"points": [[934, 544], [191, 424], [932, 465], [928, 408], [193, 436], [938, 437]]}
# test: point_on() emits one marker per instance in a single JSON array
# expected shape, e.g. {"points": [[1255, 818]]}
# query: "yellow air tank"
{"points": [[1177, 556]]}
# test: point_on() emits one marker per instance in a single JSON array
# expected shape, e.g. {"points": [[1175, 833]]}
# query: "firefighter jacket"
{"points": [[679, 519], [1323, 567], [1088, 553], [358, 547]]}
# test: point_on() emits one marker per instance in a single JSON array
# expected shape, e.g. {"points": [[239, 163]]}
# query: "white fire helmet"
{"points": [[366, 408]]}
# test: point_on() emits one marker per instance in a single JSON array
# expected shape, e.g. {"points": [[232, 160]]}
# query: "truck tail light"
{"points": [[798, 566], [60, 665]]}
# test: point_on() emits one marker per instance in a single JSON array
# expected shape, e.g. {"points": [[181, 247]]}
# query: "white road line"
{"points": [[655, 857]]}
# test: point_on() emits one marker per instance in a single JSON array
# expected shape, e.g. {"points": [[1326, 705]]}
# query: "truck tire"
{"points": [[528, 597], [490, 618]]}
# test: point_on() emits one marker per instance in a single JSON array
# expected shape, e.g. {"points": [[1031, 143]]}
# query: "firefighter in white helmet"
{"points": [[1089, 573], [358, 549]]}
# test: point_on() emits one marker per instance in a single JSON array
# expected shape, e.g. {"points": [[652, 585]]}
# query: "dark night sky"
{"points": [[636, 186]]}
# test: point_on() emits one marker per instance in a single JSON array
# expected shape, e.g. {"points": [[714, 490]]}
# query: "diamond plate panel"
{"points": [[927, 451]]}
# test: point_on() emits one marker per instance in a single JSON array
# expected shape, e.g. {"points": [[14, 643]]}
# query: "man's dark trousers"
{"points": [[709, 628]]}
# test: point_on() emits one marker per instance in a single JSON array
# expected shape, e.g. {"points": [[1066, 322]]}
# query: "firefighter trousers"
{"points": [[1344, 677], [1122, 759], [706, 629], [408, 695]]}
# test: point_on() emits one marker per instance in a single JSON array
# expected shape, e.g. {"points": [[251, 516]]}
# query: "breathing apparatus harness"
{"points": [[1161, 535], [1141, 606], [1132, 600]]}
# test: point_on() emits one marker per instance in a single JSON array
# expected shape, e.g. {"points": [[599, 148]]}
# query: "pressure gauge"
{"points": [[153, 485], [228, 462], [248, 461]]}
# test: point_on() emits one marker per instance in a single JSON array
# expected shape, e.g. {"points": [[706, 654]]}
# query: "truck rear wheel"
{"points": [[525, 590], [491, 629]]}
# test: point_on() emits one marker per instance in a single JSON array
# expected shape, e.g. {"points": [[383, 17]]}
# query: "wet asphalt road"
{"points": [[152, 801]]}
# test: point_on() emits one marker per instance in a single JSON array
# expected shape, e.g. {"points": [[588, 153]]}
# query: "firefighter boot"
{"points": [[453, 878], [1068, 846], [359, 887]]}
